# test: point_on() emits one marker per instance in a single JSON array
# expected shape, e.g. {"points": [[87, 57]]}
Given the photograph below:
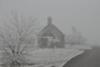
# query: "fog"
{"points": [[83, 14]]}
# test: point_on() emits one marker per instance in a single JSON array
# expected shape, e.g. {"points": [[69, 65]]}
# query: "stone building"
{"points": [[50, 36]]}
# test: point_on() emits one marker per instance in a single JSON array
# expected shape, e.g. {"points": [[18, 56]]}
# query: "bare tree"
{"points": [[16, 36], [76, 37]]}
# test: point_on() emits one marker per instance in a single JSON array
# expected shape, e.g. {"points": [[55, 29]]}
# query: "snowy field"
{"points": [[53, 56], [82, 47]]}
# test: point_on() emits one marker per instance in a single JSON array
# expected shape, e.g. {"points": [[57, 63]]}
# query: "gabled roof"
{"points": [[50, 27]]}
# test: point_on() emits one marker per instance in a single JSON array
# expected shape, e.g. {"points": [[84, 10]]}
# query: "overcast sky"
{"points": [[84, 14]]}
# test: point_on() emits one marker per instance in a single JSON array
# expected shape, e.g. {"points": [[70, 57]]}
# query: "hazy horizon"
{"points": [[83, 14]]}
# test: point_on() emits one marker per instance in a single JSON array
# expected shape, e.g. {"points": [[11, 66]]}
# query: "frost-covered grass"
{"points": [[52, 56], [80, 46], [55, 56]]}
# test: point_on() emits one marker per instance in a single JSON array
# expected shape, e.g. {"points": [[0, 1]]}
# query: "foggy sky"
{"points": [[84, 14]]}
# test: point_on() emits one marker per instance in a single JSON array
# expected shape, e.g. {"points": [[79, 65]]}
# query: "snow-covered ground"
{"points": [[53, 56], [56, 56], [82, 47]]}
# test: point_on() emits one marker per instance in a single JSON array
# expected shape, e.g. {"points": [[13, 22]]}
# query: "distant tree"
{"points": [[16, 36], [75, 38]]}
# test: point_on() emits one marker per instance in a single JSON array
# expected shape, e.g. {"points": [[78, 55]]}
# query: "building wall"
{"points": [[44, 42], [50, 36]]}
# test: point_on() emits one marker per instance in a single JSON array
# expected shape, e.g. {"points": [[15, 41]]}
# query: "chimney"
{"points": [[49, 20]]}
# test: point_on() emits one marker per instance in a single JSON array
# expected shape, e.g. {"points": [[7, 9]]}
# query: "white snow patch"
{"points": [[81, 46], [53, 56]]}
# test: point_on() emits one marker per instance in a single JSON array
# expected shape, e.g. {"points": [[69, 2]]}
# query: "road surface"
{"points": [[91, 58]]}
